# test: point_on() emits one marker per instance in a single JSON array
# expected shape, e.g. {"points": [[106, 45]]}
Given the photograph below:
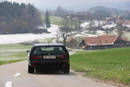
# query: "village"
{"points": [[100, 34]]}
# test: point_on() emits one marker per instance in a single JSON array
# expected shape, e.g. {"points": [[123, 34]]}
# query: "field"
{"points": [[54, 20], [59, 21], [112, 64], [13, 53]]}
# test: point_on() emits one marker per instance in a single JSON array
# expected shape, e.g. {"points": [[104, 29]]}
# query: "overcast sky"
{"points": [[76, 4]]}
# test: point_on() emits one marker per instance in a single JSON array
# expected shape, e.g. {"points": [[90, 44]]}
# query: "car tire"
{"points": [[30, 69], [67, 69]]}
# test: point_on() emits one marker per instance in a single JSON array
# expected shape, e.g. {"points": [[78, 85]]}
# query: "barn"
{"points": [[104, 42]]}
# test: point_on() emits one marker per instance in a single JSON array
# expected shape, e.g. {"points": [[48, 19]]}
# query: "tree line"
{"points": [[19, 18], [96, 13]]}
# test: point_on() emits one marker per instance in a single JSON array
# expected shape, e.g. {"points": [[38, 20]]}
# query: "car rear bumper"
{"points": [[49, 64], [49, 61]]}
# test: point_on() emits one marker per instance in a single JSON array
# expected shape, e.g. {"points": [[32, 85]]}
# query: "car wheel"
{"points": [[66, 69], [30, 69]]}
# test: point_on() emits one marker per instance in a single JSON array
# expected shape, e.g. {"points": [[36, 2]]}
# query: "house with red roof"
{"points": [[103, 42]]}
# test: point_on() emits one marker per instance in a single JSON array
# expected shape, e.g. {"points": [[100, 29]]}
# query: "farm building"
{"points": [[72, 42], [104, 42]]}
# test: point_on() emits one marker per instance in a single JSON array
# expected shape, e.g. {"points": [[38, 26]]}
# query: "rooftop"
{"points": [[101, 40]]}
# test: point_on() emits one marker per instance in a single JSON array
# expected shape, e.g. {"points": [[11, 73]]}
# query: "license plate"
{"points": [[49, 57]]}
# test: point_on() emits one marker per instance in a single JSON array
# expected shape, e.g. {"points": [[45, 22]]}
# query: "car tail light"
{"points": [[35, 61], [35, 57], [63, 56]]}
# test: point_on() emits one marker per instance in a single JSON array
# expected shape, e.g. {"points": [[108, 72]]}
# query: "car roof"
{"points": [[57, 44]]}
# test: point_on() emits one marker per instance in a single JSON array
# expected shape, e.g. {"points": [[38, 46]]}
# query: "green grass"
{"points": [[54, 20], [10, 61], [13, 46], [112, 64], [13, 53]]}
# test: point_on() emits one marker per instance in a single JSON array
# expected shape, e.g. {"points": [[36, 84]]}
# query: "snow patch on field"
{"points": [[19, 38], [109, 26], [85, 24]]}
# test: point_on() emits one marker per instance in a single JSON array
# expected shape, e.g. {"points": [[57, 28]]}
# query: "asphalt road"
{"points": [[16, 75]]}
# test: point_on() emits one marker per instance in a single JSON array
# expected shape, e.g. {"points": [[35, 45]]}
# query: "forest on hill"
{"points": [[19, 18]]}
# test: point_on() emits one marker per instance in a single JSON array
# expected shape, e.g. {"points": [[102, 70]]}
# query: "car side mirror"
{"points": [[28, 51]]}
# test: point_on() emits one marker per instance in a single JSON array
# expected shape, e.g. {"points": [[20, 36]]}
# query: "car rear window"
{"points": [[46, 50]]}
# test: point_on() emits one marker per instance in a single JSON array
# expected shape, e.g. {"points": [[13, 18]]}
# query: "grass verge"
{"points": [[112, 64], [10, 61], [10, 53]]}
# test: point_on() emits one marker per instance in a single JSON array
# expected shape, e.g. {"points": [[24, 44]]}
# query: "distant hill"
{"points": [[100, 12], [83, 5], [103, 8]]}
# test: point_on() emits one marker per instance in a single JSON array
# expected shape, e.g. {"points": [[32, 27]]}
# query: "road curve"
{"points": [[16, 75]]}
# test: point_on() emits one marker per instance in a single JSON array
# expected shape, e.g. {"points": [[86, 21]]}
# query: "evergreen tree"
{"points": [[19, 18], [47, 19]]}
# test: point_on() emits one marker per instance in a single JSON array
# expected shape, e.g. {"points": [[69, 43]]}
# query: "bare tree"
{"points": [[120, 29], [65, 33], [65, 38], [65, 29]]}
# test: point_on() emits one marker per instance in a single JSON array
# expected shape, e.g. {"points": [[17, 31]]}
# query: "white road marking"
{"points": [[17, 74], [8, 84]]}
